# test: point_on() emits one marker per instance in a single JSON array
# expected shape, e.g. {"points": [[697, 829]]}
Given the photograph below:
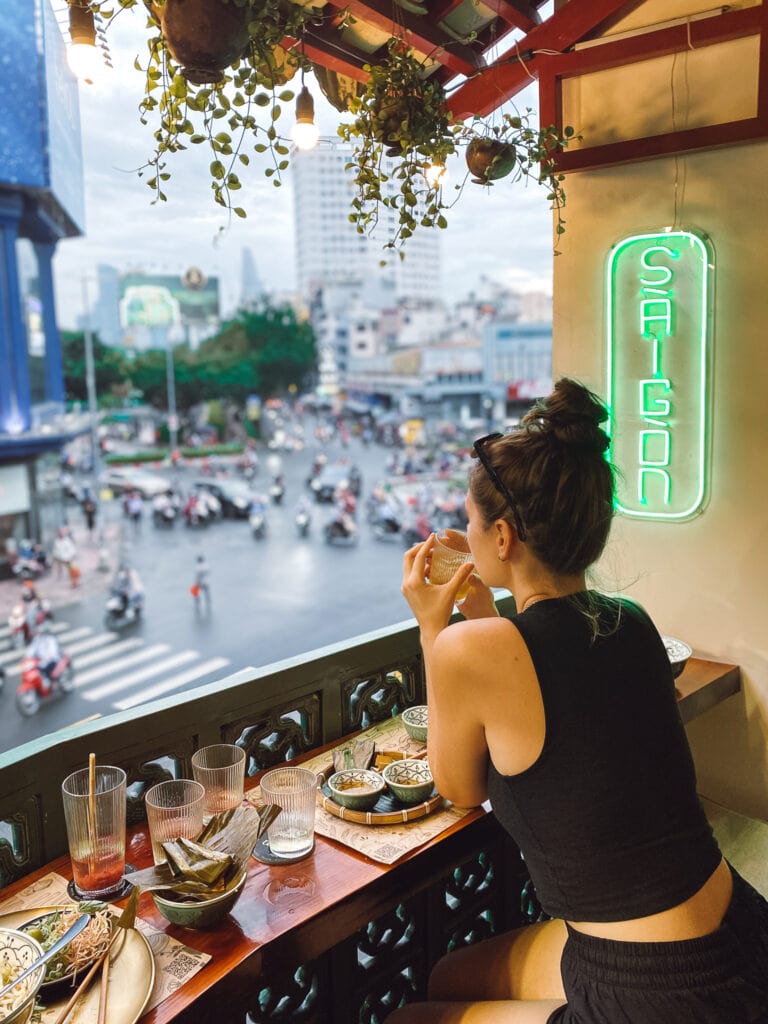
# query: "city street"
{"points": [[272, 599]]}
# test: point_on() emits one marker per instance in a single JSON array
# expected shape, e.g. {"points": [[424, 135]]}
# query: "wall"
{"points": [[705, 580]]}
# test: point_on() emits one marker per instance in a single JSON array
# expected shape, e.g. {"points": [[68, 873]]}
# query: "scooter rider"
{"points": [[127, 586], [45, 648]]}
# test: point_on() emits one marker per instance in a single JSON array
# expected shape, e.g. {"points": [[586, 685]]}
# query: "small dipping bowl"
{"points": [[410, 780], [200, 913], [678, 653], [356, 788], [415, 722], [17, 952]]}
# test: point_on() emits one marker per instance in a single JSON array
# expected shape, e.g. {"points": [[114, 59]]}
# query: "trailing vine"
{"points": [[238, 111]]}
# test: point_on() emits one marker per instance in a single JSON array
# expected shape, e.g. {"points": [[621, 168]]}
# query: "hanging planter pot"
{"points": [[203, 36], [338, 89], [489, 159]]}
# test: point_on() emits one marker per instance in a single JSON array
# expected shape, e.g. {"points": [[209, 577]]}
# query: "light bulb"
{"points": [[85, 62], [305, 132], [436, 175]]}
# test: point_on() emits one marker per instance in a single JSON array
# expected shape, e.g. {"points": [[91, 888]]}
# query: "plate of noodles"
{"points": [[63, 971], [131, 974]]}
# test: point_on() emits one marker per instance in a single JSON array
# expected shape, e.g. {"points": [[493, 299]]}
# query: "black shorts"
{"points": [[721, 978]]}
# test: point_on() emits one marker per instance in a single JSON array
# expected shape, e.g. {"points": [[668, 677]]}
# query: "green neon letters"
{"points": [[658, 297]]}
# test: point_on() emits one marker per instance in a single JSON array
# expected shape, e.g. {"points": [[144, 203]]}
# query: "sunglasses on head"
{"points": [[497, 482]]}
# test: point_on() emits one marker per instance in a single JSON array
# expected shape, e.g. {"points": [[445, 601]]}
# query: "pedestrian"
{"points": [[201, 590], [564, 717], [135, 508], [64, 551], [89, 511]]}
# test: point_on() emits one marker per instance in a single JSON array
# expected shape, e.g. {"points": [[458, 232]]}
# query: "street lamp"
{"points": [[90, 382], [170, 379]]}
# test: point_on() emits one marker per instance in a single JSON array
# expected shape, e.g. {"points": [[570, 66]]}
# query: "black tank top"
{"points": [[607, 818]]}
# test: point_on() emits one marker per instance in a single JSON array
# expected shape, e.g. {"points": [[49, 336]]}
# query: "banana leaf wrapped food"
{"points": [[212, 864]]}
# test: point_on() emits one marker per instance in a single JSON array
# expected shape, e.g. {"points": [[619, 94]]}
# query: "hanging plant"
{"points": [[215, 73], [514, 146], [405, 116], [401, 115], [214, 76]]}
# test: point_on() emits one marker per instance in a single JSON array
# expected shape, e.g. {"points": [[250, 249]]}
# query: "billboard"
{"points": [[167, 300]]}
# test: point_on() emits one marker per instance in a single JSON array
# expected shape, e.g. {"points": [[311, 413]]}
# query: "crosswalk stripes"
{"points": [[85, 678], [160, 689], [140, 675], [102, 659]]}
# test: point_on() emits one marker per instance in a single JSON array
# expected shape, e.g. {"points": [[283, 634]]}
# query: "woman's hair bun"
{"points": [[571, 414]]}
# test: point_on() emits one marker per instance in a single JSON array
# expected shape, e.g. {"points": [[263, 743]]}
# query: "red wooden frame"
{"points": [[752, 21]]}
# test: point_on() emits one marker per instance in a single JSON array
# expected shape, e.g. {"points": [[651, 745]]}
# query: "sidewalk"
{"points": [[93, 580]]}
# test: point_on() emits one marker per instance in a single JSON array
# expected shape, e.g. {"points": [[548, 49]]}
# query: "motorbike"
{"points": [[23, 620], [196, 513], [258, 523], [340, 529], [302, 520], [121, 610], [276, 492], [164, 515], [30, 563], [32, 689], [386, 527]]}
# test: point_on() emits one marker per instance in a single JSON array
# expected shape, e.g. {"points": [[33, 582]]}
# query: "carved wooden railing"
{"points": [[276, 713]]}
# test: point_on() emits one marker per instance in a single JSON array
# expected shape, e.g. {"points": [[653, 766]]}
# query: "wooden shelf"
{"points": [[703, 684]]}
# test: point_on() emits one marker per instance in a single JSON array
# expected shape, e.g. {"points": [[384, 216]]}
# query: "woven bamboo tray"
{"points": [[388, 810]]}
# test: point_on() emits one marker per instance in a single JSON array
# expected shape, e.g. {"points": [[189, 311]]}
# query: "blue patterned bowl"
{"points": [[356, 788], [17, 952], [410, 780], [415, 722]]}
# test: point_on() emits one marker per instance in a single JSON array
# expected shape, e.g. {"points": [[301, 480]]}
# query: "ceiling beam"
{"points": [[517, 13], [492, 86], [417, 32]]}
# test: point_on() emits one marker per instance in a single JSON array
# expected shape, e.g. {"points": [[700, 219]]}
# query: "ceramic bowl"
{"points": [[410, 780], [17, 952], [415, 722], [356, 788], [201, 913], [678, 654]]}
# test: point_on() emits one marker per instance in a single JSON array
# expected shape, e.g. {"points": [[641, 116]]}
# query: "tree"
{"points": [[111, 368]]}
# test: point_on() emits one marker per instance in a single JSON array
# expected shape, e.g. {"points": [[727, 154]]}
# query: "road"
{"points": [[271, 599]]}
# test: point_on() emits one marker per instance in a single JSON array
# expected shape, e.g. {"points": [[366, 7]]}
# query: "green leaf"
{"points": [[217, 170], [239, 212], [244, 159]]}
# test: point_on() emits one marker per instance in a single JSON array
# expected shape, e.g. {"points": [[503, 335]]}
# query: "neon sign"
{"points": [[658, 295]]}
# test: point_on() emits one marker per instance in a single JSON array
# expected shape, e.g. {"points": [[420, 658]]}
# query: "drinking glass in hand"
{"points": [[96, 829], [292, 834], [449, 552], [221, 770], [174, 810]]}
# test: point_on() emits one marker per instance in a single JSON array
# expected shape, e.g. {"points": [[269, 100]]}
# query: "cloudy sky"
{"points": [[502, 233]]}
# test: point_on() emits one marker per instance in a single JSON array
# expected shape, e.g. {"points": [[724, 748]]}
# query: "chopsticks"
{"points": [[125, 922], [102, 1018]]}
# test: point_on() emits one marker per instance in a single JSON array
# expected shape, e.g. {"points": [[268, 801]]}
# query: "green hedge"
{"points": [[159, 454]]}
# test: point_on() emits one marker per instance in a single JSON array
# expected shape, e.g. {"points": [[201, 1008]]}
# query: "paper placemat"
{"points": [[382, 843], [175, 963]]}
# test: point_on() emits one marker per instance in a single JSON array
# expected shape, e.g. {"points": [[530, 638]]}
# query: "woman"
{"points": [[565, 717]]}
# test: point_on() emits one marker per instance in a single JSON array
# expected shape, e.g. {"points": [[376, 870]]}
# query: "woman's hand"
{"points": [[479, 602], [431, 603]]}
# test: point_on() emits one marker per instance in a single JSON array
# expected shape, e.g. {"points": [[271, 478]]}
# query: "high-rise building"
{"points": [[329, 251]]}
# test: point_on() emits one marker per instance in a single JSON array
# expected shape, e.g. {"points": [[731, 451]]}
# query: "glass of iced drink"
{"points": [[94, 812]]}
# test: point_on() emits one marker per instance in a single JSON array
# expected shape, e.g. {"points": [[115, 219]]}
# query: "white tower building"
{"points": [[339, 271], [329, 251]]}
